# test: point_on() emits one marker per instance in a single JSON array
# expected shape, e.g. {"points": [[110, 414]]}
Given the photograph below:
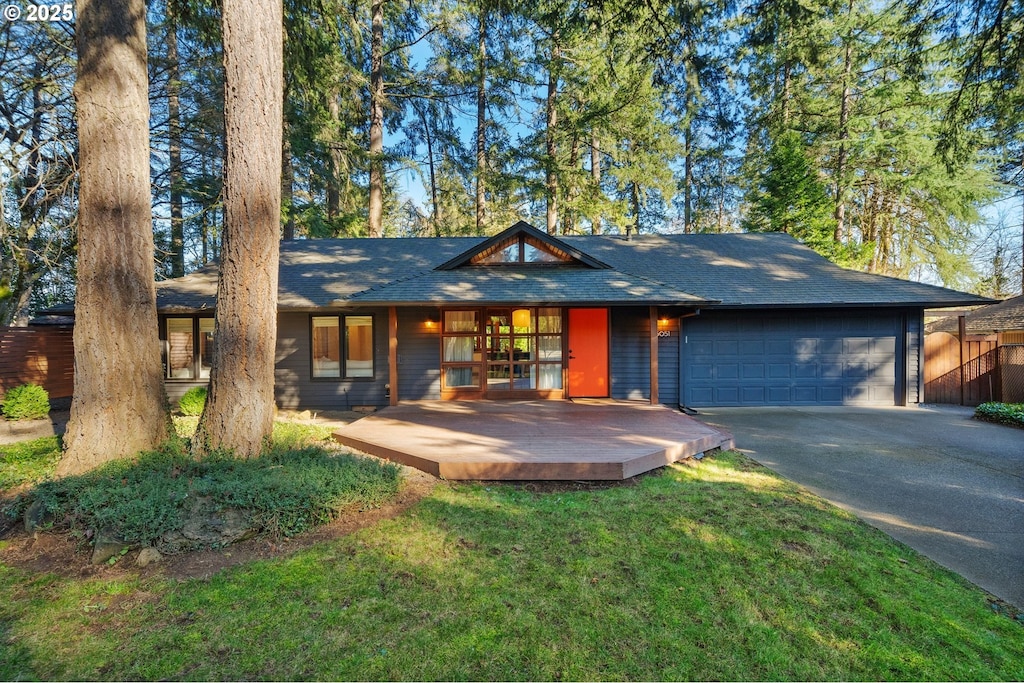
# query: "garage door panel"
{"points": [[789, 359], [752, 347]]}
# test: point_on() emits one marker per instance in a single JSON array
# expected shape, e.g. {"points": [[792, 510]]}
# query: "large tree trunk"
{"points": [[119, 407], [377, 120], [239, 414], [481, 121]]}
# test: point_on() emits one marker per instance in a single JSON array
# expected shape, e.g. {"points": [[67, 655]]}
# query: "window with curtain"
{"points": [[336, 355], [461, 347]]}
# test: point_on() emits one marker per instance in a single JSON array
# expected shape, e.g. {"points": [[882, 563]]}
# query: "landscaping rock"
{"points": [[206, 525], [36, 518], [108, 544], [148, 556]]}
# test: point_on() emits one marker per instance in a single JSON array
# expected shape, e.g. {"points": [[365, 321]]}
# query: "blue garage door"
{"points": [[733, 359]]}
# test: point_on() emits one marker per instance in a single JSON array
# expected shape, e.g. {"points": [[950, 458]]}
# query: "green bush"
{"points": [[1003, 413], [192, 401], [27, 402]]}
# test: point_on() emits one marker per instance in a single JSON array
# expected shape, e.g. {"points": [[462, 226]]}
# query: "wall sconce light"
{"points": [[430, 322]]}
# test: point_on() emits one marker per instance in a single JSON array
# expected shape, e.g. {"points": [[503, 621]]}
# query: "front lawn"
{"points": [[716, 570]]}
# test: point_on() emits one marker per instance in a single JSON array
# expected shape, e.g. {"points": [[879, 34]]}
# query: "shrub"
{"points": [[1003, 413], [192, 401], [27, 402]]}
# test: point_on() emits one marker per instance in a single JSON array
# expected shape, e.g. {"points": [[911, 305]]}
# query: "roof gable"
{"points": [[522, 244]]}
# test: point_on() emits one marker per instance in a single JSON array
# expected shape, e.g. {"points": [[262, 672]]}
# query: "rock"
{"points": [[37, 517], [148, 556], [206, 525], [108, 544]]}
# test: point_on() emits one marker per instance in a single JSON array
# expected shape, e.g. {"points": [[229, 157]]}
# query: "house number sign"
{"points": [[664, 333]]}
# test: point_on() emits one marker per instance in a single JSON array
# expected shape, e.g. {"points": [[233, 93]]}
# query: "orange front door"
{"points": [[588, 352]]}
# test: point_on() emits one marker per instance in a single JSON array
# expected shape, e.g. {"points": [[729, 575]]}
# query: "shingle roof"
{"points": [[1004, 316], [736, 270]]}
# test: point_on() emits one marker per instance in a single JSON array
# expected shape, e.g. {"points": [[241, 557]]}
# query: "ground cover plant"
{"points": [[1003, 413], [297, 484], [714, 570]]}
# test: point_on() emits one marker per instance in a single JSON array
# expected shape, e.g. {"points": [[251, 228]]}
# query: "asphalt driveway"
{"points": [[948, 486]]}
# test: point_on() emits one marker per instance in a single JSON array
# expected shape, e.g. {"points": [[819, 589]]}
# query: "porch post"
{"points": [[393, 353], [654, 355]]}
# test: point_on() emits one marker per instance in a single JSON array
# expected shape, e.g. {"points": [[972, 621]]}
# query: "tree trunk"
{"points": [[551, 145], [428, 136], [844, 135], [481, 123], [688, 173], [595, 175], [119, 407], [334, 160], [635, 197], [288, 186], [572, 192], [377, 120], [174, 146], [239, 413]]}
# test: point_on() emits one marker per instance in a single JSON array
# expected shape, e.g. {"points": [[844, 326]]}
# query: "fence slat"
{"points": [[980, 379], [41, 355]]}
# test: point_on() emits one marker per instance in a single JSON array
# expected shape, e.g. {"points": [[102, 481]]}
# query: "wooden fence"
{"points": [[41, 355], [990, 371]]}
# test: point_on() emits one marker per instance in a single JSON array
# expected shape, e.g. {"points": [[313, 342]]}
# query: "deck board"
{"points": [[531, 440]]}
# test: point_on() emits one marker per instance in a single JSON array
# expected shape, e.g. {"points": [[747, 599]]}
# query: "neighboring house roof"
{"points": [[1004, 316], [721, 270]]}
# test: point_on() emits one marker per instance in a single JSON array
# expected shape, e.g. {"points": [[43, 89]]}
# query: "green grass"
{"points": [[719, 570], [27, 462]]}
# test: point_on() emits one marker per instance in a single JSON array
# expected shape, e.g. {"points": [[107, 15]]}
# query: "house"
{"points": [[985, 363], [690, 320], [1004, 319]]}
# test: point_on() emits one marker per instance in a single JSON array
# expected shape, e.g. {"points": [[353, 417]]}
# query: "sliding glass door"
{"points": [[502, 352]]}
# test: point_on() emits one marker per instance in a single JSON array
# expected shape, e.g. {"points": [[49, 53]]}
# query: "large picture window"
{"points": [[189, 347], [337, 356]]}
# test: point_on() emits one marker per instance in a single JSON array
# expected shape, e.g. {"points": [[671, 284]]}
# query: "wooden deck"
{"points": [[531, 440]]}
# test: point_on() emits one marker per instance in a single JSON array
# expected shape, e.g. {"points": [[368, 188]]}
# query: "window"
{"points": [[498, 350], [520, 249], [334, 356], [189, 347]]}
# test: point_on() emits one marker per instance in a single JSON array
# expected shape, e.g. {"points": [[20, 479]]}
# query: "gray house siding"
{"points": [[294, 386], [419, 354], [630, 353], [668, 362]]}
